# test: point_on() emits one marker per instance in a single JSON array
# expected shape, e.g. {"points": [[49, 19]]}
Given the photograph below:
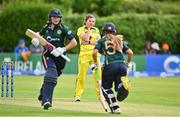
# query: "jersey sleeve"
{"points": [[98, 45], [125, 47], [69, 34], [79, 32]]}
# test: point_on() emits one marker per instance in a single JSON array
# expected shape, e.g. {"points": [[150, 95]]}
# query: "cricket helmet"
{"points": [[55, 13], [109, 27]]}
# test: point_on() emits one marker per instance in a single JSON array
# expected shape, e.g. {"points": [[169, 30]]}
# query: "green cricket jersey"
{"points": [[111, 54], [58, 35]]}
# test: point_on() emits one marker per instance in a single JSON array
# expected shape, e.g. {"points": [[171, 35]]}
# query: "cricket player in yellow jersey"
{"points": [[88, 35]]}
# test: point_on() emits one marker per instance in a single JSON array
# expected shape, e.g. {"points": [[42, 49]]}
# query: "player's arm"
{"points": [[91, 42], [60, 50], [94, 66], [85, 37], [94, 42], [71, 44], [36, 41], [97, 36], [95, 52], [129, 53]]}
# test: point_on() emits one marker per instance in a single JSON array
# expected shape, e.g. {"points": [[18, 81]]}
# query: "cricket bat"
{"points": [[101, 96], [42, 41]]}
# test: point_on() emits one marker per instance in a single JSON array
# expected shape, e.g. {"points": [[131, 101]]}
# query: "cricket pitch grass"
{"points": [[155, 97]]}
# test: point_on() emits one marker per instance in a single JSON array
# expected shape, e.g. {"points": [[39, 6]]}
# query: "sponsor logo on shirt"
{"points": [[59, 32], [49, 39]]}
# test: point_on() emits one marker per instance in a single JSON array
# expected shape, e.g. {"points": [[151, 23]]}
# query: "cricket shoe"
{"points": [[77, 99], [117, 111], [46, 105], [40, 98]]}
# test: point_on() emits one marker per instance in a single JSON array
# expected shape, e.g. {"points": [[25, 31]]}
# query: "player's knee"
{"points": [[122, 94], [123, 88], [50, 80], [51, 72]]}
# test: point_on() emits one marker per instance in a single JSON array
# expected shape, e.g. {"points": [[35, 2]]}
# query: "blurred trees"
{"points": [[99, 7], [109, 7], [137, 20]]}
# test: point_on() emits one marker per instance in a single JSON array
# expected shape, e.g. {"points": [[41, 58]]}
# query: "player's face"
{"points": [[90, 22], [55, 20], [22, 45]]}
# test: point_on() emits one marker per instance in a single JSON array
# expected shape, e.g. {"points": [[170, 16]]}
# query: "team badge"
{"points": [[59, 32], [69, 32], [109, 28]]}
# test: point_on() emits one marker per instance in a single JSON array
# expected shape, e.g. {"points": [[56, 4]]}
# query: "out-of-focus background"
{"points": [[150, 27]]}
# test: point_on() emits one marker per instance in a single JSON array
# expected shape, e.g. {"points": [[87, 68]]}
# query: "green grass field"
{"points": [[148, 97]]}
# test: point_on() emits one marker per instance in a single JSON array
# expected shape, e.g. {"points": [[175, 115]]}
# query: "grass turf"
{"points": [[148, 97]]}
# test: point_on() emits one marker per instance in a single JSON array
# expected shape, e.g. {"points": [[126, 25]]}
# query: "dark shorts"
{"points": [[112, 73], [59, 62]]}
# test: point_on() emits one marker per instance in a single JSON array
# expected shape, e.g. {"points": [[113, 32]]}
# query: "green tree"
{"points": [[100, 7]]}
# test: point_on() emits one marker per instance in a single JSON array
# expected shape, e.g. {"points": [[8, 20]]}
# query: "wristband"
{"points": [[64, 49]]}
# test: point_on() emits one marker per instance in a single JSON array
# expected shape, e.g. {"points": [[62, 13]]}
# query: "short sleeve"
{"points": [[125, 47], [69, 34], [98, 45], [79, 32]]}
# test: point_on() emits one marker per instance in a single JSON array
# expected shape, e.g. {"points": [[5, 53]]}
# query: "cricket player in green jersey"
{"points": [[55, 33], [115, 67]]}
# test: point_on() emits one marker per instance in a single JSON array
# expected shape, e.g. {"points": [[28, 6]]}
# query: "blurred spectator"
{"points": [[155, 47], [39, 49], [165, 49], [21, 51], [147, 49]]}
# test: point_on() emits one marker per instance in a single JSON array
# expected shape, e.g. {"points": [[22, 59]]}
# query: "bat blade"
{"points": [[33, 34], [101, 96]]}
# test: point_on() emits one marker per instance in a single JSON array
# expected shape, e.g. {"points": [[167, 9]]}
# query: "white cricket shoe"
{"points": [[77, 99], [117, 111], [47, 105]]}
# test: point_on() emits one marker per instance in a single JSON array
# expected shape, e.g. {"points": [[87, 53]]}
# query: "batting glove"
{"points": [[35, 42], [127, 64], [93, 67], [58, 51]]}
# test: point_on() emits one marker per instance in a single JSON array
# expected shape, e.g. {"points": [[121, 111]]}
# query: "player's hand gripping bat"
{"points": [[42, 41]]}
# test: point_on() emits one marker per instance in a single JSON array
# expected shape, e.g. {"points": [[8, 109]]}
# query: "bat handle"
{"points": [[49, 47], [65, 57]]}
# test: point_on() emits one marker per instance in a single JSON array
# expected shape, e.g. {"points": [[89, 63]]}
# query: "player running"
{"points": [[55, 33], [115, 69]]}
